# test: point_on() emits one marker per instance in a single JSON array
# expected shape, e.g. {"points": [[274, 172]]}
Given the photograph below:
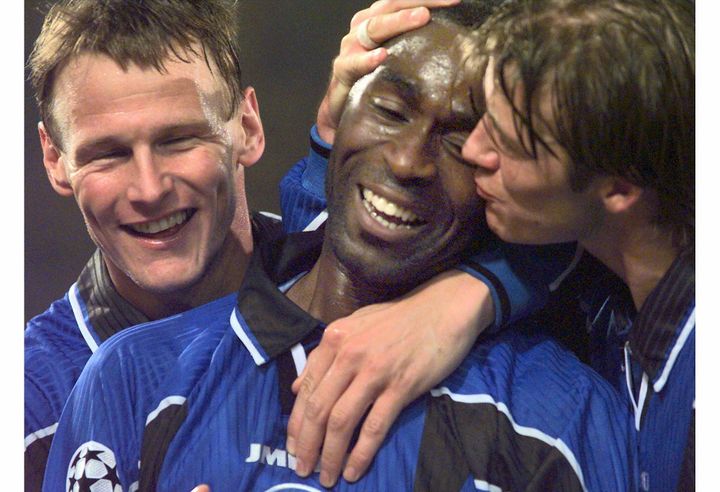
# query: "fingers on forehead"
{"points": [[393, 6]]}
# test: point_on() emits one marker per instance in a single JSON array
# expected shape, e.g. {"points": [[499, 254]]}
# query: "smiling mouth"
{"points": [[387, 213], [163, 227]]}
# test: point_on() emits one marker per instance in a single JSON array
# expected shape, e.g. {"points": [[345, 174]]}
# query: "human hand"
{"points": [[385, 19], [201, 488], [383, 356]]}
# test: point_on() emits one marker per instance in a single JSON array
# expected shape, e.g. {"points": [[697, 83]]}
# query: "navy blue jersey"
{"points": [[520, 413], [59, 342], [656, 373], [124, 416]]}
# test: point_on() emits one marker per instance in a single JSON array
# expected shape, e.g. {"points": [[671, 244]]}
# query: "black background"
{"points": [[288, 46]]}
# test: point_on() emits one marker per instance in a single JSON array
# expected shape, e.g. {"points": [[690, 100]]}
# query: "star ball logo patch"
{"points": [[93, 468]]}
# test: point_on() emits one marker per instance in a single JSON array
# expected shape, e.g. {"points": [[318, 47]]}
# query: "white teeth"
{"points": [[373, 202], [162, 224]]}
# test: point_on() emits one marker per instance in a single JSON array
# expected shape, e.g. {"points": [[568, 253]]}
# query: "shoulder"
{"points": [[528, 393], [515, 367], [55, 354], [55, 329]]}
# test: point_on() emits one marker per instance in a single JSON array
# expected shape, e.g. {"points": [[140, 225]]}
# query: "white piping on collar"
{"points": [[74, 295], [245, 339], [672, 358], [316, 222]]}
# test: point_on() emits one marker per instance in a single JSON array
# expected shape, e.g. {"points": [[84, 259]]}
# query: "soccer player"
{"points": [[521, 413], [158, 182], [613, 100], [589, 135]]}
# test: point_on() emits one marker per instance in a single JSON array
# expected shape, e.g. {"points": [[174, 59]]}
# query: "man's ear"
{"points": [[620, 195], [252, 143], [53, 166]]}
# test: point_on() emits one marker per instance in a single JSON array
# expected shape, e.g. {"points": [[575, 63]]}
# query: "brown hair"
{"points": [[621, 77], [144, 32]]}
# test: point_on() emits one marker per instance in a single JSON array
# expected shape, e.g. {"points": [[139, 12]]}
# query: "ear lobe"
{"points": [[53, 166], [252, 143], [620, 195]]}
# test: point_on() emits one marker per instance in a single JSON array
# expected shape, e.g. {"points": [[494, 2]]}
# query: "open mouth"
{"points": [[387, 213], [164, 227]]}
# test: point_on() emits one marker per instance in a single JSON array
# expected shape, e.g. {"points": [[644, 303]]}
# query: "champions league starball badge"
{"points": [[93, 468]]}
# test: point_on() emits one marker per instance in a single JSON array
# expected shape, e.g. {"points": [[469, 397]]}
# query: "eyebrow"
{"points": [[87, 149], [410, 91], [407, 88]]}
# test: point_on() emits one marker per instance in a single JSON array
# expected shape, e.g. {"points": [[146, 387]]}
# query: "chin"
{"points": [[166, 282]]}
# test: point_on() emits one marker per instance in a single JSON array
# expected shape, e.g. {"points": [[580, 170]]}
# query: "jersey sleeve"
{"points": [[96, 446], [522, 413], [302, 189], [54, 354], [520, 278]]}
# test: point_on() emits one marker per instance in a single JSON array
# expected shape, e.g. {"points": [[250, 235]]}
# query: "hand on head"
{"points": [[381, 21]]}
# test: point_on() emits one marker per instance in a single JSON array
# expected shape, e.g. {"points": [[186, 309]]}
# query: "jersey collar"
{"points": [[103, 310], [665, 320], [265, 320]]}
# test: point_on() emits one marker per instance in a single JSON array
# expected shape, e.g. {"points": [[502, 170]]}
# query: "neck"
{"points": [[222, 277], [330, 291], [640, 255]]}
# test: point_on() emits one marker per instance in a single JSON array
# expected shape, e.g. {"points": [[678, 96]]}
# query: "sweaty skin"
{"points": [[154, 165], [414, 124]]}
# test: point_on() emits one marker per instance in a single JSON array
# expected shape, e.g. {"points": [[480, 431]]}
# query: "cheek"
{"points": [[526, 186], [207, 172], [96, 193], [460, 188]]}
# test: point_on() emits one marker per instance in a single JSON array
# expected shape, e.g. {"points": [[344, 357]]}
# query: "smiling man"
{"points": [[151, 142], [520, 413]]}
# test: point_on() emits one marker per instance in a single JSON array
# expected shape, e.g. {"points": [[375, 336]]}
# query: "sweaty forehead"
{"points": [[431, 65], [430, 53], [94, 83]]}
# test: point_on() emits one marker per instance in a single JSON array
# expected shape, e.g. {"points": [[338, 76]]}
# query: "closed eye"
{"points": [[453, 144], [108, 155], [388, 109], [180, 143]]}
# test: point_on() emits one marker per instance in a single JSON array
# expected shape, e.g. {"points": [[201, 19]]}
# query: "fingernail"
{"points": [[417, 12], [290, 445], [350, 474], [325, 480], [301, 468]]}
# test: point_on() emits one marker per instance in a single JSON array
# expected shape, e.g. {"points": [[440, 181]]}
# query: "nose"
{"points": [[479, 149], [410, 156], [149, 183]]}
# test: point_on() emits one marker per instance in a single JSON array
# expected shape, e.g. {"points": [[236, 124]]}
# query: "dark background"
{"points": [[288, 46]]}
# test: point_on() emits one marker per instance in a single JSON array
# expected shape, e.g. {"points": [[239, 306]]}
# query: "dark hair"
{"points": [[144, 32], [620, 75], [469, 13]]}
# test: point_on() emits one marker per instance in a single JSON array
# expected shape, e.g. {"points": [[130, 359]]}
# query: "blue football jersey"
{"points": [[58, 344], [520, 413], [96, 416]]}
